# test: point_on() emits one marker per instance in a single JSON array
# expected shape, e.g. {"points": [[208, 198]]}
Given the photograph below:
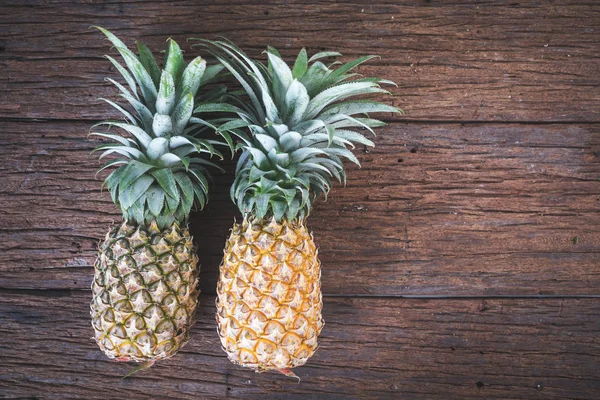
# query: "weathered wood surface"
{"points": [[488, 186], [384, 349], [474, 210], [453, 60]]}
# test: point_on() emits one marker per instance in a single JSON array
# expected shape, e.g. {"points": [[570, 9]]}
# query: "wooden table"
{"points": [[461, 262]]}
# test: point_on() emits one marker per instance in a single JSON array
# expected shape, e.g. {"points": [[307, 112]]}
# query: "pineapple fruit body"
{"points": [[269, 295], [301, 120], [144, 292], [146, 275]]}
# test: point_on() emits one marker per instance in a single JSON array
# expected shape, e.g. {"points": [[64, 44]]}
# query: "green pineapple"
{"points": [[146, 275], [301, 124]]}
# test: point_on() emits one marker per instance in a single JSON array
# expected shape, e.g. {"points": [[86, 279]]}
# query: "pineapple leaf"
{"points": [[166, 180], [293, 209], [165, 101], [233, 124], [112, 182], [179, 141], [339, 72], [121, 88], [259, 158], [136, 211], [354, 137], [201, 180], [332, 166], [134, 191], [162, 125], [211, 73], [219, 107], [296, 102], [324, 54], [273, 50], [200, 195], [144, 114], [239, 69], [343, 153], [126, 113], [133, 171], [172, 204], [271, 110], [301, 65], [262, 204], [116, 138], [371, 123], [278, 208], [124, 151], [155, 197], [359, 107], [149, 62], [192, 76], [185, 183], [290, 141], [304, 153], [170, 160], [157, 148], [183, 113], [126, 75], [311, 166], [267, 142], [330, 133], [282, 79], [174, 62], [139, 134], [288, 194], [255, 173], [111, 163], [314, 77], [140, 74], [337, 93]]}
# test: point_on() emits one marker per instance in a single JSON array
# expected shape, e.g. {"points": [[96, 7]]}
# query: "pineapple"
{"points": [[300, 126], [146, 276]]}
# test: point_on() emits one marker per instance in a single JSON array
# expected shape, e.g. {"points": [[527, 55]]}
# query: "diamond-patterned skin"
{"points": [[144, 292], [269, 295]]}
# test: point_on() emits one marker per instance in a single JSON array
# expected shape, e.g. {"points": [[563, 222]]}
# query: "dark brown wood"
{"points": [[435, 210], [453, 60], [370, 349], [488, 186]]}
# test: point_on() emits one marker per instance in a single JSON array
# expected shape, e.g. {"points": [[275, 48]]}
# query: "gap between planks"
{"points": [[386, 120], [67, 292]]}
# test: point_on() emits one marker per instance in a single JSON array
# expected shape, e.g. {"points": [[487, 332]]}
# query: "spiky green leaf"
{"points": [[192, 76], [149, 62], [301, 65]]}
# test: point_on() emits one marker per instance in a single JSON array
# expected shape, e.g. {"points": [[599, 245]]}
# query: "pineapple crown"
{"points": [[161, 165], [301, 125]]}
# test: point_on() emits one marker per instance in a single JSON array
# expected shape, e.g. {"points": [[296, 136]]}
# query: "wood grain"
{"points": [[488, 187], [435, 210], [370, 349], [501, 61]]}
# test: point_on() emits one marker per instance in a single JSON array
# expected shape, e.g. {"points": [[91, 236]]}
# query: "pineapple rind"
{"points": [[269, 298], [144, 292]]}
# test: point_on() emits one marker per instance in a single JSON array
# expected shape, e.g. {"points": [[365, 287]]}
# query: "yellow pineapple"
{"points": [[269, 293], [269, 304], [146, 275]]}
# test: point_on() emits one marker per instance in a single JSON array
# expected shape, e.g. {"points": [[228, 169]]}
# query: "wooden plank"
{"points": [[453, 60], [442, 209], [370, 348]]}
